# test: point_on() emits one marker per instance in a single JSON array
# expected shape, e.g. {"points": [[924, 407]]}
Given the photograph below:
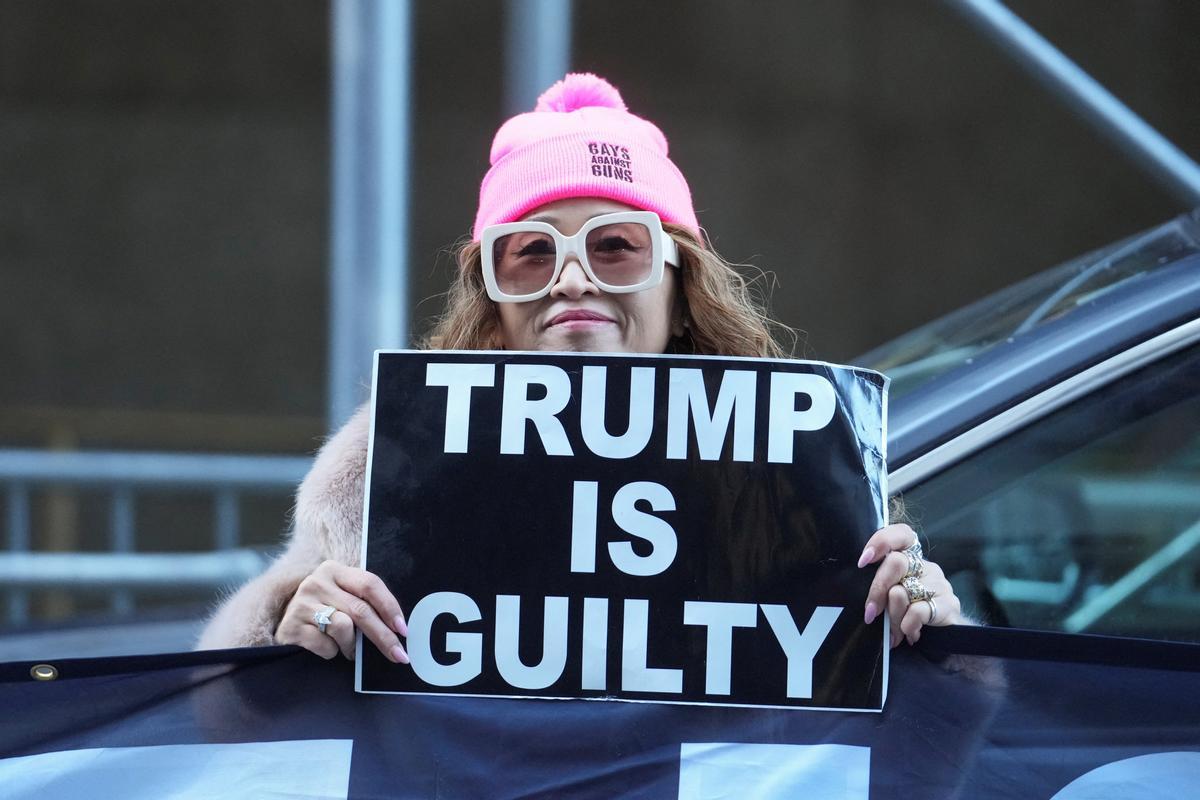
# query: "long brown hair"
{"points": [[723, 317]]}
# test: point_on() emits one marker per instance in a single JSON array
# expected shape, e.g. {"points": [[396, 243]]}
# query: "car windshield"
{"points": [[942, 345]]}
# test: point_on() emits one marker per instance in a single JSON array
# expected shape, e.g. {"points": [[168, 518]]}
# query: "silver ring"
{"points": [[915, 549], [932, 609], [322, 616], [916, 564]]}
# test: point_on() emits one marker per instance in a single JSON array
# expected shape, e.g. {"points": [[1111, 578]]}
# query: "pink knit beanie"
{"points": [[581, 141]]}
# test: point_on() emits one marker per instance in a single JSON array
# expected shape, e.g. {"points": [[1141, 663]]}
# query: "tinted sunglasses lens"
{"points": [[524, 262], [620, 254]]}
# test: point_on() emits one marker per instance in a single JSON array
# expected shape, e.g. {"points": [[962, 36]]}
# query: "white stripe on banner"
{"points": [[720, 770], [313, 768], [1149, 777]]}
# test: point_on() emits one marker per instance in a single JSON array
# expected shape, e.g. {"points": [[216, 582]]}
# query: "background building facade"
{"points": [[165, 196]]}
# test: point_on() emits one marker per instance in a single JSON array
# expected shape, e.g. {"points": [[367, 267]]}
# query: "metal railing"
{"points": [[372, 46], [124, 476], [1082, 93]]}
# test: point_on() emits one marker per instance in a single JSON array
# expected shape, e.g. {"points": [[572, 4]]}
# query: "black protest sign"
{"points": [[654, 528]]}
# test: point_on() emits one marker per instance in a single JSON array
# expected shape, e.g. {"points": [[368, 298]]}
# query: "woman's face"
{"points": [[577, 315]]}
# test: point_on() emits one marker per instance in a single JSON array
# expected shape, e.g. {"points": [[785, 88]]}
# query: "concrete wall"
{"points": [[165, 175], [162, 212]]}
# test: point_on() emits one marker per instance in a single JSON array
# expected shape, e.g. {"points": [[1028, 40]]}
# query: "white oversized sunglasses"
{"points": [[620, 253]]}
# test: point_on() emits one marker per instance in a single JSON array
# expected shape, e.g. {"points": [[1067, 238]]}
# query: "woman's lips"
{"points": [[578, 318]]}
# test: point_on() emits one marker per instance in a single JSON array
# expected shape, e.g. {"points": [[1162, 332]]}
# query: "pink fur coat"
{"points": [[327, 526]]}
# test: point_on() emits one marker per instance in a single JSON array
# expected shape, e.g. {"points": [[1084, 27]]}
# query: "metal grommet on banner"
{"points": [[43, 672]]}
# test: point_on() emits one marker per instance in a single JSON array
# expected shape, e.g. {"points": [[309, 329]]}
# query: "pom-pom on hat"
{"points": [[581, 141]]}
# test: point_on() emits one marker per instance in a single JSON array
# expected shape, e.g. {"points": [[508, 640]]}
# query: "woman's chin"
{"points": [[582, 339]]}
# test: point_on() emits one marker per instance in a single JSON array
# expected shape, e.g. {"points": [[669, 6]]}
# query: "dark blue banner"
{"points": [[1035, 716]]}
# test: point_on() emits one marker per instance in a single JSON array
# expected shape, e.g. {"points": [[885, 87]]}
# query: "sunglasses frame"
{"points": [[662, 250]]}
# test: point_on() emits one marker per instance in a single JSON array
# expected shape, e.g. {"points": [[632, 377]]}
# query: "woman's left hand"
{"points": [[908, 609]]}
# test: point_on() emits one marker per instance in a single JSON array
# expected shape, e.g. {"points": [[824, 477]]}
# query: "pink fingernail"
{"points": [[871, 613], [867, 556], [399, 654], [401, 625]]}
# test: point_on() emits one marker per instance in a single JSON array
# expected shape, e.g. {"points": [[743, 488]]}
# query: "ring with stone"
{"points": [[916, 590], [322, 616]]}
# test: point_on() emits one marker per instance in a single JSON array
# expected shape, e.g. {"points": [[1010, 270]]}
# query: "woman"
{"points": [[579, 157]]}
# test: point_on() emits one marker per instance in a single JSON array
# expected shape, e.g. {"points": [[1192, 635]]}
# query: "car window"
{"points": [[957, 338], [1087, 520]]}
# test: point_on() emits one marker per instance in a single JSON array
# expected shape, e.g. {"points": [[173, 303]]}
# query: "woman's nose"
{"points": [[573, 282]]}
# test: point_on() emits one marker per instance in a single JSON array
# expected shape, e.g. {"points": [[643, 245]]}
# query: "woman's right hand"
{"points": [[362, 600]]}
